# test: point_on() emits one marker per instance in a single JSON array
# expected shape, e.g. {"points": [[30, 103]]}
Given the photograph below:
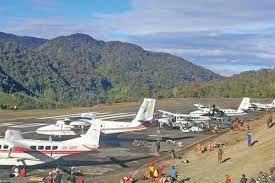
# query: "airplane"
{"points": [[186, 122], [244, 106], [19, 152], [141, 121], [200, 106], [260, 106], [181, 118], [68, 126]]}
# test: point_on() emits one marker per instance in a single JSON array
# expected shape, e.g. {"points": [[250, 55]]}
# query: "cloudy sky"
{"points": [[225, 36]]}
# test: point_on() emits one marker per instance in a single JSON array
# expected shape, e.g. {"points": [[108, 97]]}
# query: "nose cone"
{"points": [[43, 130]]}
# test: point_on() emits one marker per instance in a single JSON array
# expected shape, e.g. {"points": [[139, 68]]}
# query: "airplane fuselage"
{"points": [[38, 151]]}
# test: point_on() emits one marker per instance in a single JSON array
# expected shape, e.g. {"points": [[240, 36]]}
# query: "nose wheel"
{"points": [[16, 169]]}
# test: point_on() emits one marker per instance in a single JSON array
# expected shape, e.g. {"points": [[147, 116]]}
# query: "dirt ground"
{"points": [[238, 157]]}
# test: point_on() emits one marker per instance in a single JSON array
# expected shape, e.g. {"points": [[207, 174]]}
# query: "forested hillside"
{"points": [[251, 84], [29, 42], [79, 70]]}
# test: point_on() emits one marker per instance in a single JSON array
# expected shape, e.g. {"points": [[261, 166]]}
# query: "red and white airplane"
{"points": [[141, 121], [17, 151]]}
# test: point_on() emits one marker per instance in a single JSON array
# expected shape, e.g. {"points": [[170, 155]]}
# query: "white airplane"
{"points": [[182, 118], [244, 106], [186, 122], [17, 151], [260, 106], [68, 126], [200, 106], [142, 121]]}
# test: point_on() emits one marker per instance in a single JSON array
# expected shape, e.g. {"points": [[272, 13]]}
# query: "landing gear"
{"points": [[16, 169]]}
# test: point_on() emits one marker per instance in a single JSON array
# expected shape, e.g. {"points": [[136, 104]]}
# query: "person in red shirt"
{"points": [[23, 172], [228, 179]]}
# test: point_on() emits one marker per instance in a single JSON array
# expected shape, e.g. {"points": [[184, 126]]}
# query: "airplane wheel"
{"points": [[16, 169]]}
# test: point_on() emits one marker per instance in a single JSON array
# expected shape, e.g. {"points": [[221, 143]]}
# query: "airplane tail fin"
{"points": [[11, 135], [146, 110], [92, 136], [90, 115], [273, 103], [244, 104]]}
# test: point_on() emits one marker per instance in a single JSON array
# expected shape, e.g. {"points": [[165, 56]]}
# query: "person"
{"points": [[243, 179], [252, 180], [228, 179], [58, 177], [207, 125], [23, 172], [269, 121], [81, 180], [160, 169], [151, 169], [128, 179], [249, 138], [158, 146], [155, 173], [49, 178], [173, 174], [72, 178], [247, 126], [199, 148], [220, 153], [158, 131]]}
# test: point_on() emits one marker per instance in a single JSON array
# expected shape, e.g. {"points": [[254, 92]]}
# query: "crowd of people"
{"points": [[54, 176]]}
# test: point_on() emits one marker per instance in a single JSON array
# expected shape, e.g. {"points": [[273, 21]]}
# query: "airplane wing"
{"points": [[37, 155], [166, 112], [80, 123]]}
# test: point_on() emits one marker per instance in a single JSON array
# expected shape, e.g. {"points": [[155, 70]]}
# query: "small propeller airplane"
{"points": [[68, 126], [244, 106], [19, 152], [186, 122], [142, 121], [260, 106]]}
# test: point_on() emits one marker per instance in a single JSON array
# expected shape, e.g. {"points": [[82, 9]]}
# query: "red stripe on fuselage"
{"points": [[25, 150]]}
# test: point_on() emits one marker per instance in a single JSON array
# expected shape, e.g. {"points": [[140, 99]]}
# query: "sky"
{"points": [[227, 37]]}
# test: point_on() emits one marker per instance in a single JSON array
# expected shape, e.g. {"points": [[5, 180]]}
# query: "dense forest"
{"points": [[81, 71], [255, 84]]}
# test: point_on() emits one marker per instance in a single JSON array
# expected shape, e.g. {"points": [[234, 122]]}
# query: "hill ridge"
{"points": [[80, 70]]}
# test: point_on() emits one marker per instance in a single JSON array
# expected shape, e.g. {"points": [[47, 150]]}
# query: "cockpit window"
{"points": [[6, 146]]}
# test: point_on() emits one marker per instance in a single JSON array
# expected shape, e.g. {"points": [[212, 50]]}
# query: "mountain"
{"points": [[29, 42], [256, 84], [79, 70]]}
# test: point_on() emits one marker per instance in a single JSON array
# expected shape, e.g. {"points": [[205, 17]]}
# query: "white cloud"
{"points": [[153, 16], [211, 33]]}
